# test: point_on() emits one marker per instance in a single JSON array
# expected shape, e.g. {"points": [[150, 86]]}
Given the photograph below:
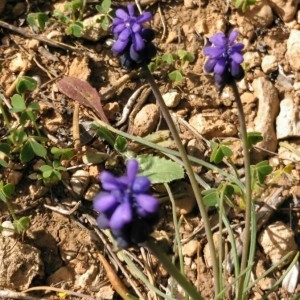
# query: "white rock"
{"points": [[268, 108], [8, 229], [18, 63], [293, 50], [288, 120], [171, 99], [91, 192], [79, 181], [285, 9], [296, 86], [269, 64], [277, 240], [252, 59]]}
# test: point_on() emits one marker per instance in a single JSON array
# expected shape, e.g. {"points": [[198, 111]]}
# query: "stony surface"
{"points": [[293, 49], [19, 267], [277, 240], [268, 108], [288, 120]]}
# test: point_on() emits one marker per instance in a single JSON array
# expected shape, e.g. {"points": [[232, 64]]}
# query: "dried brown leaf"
{"points": [[82, 92]]}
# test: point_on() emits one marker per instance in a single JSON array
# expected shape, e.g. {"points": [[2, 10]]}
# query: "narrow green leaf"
{"points": [[159, 170]]}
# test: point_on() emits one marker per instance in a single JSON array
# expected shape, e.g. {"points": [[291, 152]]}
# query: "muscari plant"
{"points": [[125, 205]]}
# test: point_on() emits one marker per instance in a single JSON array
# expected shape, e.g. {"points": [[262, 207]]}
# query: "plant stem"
{"points": [[173, 271], [5, 118], [248, 192], [189, 171]]}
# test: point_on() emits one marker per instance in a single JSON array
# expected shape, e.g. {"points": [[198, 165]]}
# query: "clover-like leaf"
{"points": [[21, 224], [25, 84], [210, 197]]}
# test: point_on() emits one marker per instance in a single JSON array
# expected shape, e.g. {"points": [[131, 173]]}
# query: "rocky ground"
{"points": [[62, 249]]}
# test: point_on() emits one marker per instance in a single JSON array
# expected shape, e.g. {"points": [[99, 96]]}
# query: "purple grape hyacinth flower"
{"points": [[133, 42], [125, 206], [128, 28], [225, 58]]}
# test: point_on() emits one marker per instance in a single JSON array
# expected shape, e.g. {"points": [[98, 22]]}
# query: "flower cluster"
{"points": [[125, 206], [225, 58], [133, 42]]}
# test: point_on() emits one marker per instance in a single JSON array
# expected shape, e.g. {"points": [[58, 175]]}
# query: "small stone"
{"points": [[268, 108], [260, 14], [296, 86], [93, 30], [248, 98], [206, 250], [285, 9], [36, 192], [266, 283], [172, 37], [8, 229], [171, 99], [38, 164], [91, 192], [17, 64], [79, 68], [20, 264], [269, 64], [293, 50], [185, 200], [190, 248], [277, 240], [111, 110], [32, 44], [288, 120], [79, 181], [19, 9], [146, 120], [2, 5], [62, 275], [105, 292], [252, 59], [212, 127], [188, 3], [14, 177], [201, 27]]}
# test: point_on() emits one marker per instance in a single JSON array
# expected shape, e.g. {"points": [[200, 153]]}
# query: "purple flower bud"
{"points": [[224, 58], [125, 203]]}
